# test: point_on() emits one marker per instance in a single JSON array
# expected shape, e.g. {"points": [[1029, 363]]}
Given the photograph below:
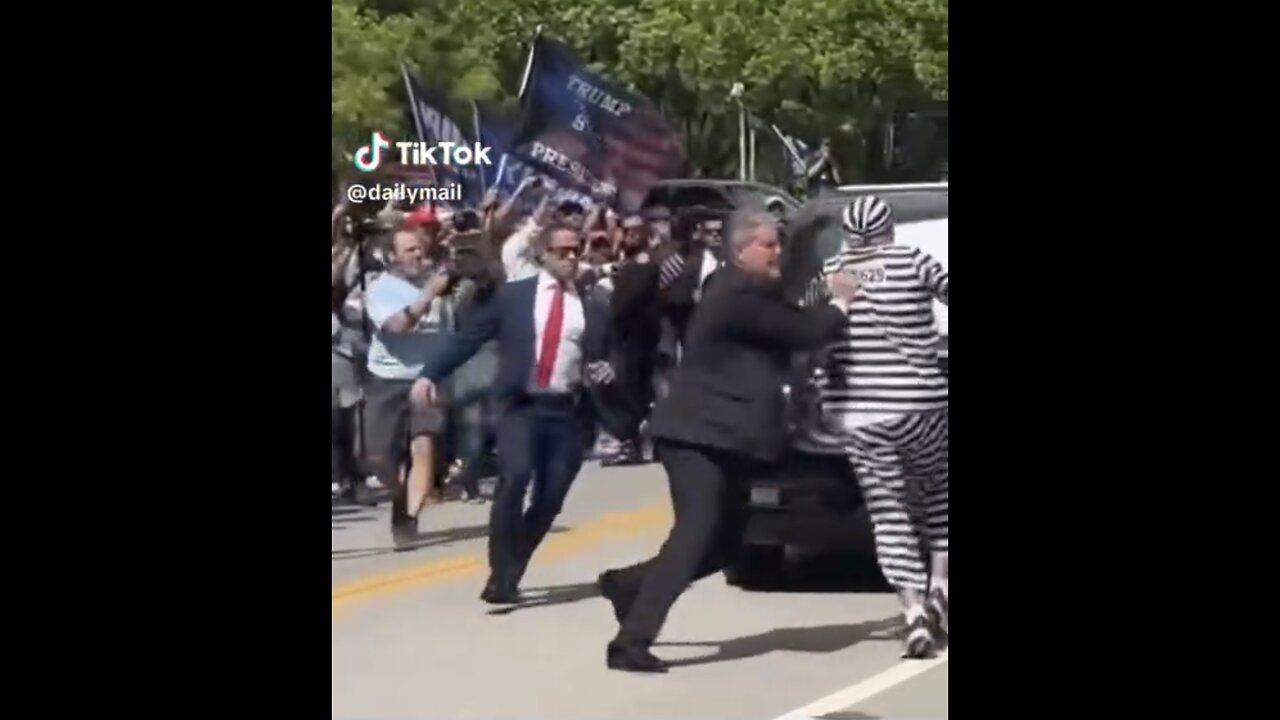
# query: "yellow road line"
{"points": [[614, 525]]}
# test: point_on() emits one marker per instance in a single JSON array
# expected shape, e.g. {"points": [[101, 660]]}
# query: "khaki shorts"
{"points": [[392, 422]]}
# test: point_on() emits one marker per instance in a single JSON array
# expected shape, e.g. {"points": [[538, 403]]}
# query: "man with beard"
{"points": [[410, 313]]}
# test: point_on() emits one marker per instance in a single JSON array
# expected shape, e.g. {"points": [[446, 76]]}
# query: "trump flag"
{"points": [[588, 132], [433, 127]]}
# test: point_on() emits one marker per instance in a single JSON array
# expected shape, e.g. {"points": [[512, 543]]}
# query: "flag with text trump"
{"points": [[510, 171], [434, 126], [589, 132]]}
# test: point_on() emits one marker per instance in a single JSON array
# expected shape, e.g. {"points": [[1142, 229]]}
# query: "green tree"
{"points": [[836, 68]]}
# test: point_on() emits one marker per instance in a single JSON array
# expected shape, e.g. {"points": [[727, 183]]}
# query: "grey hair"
{"points": [[742, 225]]}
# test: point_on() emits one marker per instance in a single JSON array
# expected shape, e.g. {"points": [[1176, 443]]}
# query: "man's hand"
{"points": [[439, 285], [843, 285], [423, 394], [600, 373]]}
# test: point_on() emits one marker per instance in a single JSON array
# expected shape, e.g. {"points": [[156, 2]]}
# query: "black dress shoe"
{"points": [[404, 530], [612, 591], [633, 659], [496, 593]]}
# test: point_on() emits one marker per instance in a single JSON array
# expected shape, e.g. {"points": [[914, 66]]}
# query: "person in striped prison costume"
{"points": [[882, 388]]}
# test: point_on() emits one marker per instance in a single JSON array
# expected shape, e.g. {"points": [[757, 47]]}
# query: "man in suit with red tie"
{"points": [[552, 342]]}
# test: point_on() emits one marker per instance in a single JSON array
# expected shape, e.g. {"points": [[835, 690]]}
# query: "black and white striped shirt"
{"points": [[887, 361]]}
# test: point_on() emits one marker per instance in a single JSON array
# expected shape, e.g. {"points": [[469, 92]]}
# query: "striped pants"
{"points": [[902, 468]]}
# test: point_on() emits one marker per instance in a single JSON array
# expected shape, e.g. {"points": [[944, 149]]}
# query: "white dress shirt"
{"points": [[567, 372], [709, 265]]}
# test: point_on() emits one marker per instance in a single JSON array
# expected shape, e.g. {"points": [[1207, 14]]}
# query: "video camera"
{"points": [[362, 219]]}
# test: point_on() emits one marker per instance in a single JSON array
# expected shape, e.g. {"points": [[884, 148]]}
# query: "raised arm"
{"points": [[482, 326]]}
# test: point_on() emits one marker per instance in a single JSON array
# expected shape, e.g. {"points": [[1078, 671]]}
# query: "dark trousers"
{"points": [[539, 441], [624, 404], [635, 380], [709, 495], [342, 461], [475, 451]]}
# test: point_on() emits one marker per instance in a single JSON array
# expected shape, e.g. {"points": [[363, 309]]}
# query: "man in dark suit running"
{"points": [[722, 422], [552, 340]]}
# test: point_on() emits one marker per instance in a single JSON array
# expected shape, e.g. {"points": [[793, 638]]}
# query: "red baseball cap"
{"points": [[421, 217]]}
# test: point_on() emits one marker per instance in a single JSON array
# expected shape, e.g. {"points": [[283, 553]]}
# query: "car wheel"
{"points": [[757, 567]]}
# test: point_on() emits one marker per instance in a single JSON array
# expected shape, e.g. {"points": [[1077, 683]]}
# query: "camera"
{"points": [[468, 263]]}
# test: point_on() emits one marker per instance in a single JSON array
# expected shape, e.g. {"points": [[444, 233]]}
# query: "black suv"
{"points": [[812, 502]]}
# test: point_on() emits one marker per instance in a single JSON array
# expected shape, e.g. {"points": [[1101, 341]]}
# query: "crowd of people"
{"points": [[404, 278], [526, 336]]}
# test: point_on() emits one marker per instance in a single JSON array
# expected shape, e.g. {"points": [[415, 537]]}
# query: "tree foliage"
{"points": [[816, 68]]}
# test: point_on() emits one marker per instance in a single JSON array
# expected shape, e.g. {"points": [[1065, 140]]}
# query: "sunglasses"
{"points": [[564, 252]]}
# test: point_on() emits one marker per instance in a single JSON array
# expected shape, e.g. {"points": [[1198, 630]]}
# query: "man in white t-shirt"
{"points": [[409, 310]]}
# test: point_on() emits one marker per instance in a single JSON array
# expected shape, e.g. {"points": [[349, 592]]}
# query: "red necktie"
{"points": [[551, 338]]}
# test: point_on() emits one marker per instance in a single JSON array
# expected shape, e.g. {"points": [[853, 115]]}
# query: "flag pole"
{"points": [[502, 168], [742, 141], [786, 141], [475, 122], [413, 107], [413, 102], [528, 65]]}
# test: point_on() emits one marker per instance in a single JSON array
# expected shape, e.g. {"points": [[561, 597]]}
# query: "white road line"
{"points": [[874, 685]]}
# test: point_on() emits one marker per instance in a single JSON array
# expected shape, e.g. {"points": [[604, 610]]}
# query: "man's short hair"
{"points": [[742, 226]]}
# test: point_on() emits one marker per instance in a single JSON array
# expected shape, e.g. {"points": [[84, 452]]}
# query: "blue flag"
{"points": [[433, 126], [510, 170], [589, 132]]}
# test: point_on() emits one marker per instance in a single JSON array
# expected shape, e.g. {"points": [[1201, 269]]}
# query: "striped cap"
{"points": [[867, 217]]}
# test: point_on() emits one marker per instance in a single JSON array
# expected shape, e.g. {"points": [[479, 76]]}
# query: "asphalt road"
{"points": [[411, 639]]}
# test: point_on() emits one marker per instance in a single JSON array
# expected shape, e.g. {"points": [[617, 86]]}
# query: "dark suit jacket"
{"points": [[676, 301], [636, 310], [508, 317], [727, 391]]}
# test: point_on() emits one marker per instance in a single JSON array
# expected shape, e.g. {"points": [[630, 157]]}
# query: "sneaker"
{"points": [[919, 642], [626, 454], [936, 607]]}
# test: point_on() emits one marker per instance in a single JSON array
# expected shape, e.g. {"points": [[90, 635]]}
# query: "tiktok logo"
{"points": [[368, 157]]}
